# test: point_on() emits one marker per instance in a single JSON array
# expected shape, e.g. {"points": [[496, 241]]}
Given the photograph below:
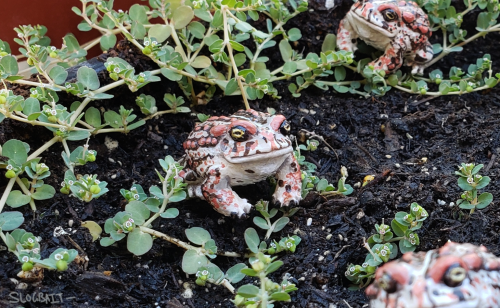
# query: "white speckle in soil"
{"points": [[111, 160], [309, 221], [329, 236], [397, 165]]}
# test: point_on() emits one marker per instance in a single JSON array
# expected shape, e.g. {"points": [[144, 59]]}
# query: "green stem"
{"points": [[4, 239], [446, 49], [68, 152], [225, 11], [184, 245], [79, 110], [6, 192], [26, 192], [44, 147], [166, 196], [439, 93], [263, 292]]}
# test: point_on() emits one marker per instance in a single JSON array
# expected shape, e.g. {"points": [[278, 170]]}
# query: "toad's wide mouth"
{"points": [[259, 156], [372, 24]]}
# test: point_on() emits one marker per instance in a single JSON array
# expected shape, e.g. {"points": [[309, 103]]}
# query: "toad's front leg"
{"points": [[218, 193], [391, 60], [346, 36], [289, 183]]}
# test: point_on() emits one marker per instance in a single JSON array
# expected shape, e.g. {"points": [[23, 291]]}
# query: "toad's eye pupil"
{"points": [[389, 15], [239, 133]]}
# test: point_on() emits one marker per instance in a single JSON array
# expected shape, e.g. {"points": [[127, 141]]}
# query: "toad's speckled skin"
{"points": [[241, 149], [454, 276], [399, 28]]}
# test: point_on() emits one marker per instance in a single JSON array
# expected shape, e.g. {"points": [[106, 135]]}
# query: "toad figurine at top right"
{"points": [[453, 276], [399, 28]]}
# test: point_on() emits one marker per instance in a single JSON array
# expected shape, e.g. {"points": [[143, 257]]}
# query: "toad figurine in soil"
{"points": [[399, 28], [241, 149], [454, 276]]}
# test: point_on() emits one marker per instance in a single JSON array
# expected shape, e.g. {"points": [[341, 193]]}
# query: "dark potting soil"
{"points": [[445, 131]]}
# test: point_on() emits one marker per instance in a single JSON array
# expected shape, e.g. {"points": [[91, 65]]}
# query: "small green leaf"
{"points": [[237, 46], [483, 182], [243, 26], [11, 220], [252, 240], [231, 86], [88, 77], [234, 274], [160, 32], [15, 150], [330, 43], [9, 65], [462, 183], [137, 12], [198, 235], [31, 106], [197, 29], [182, 16], [484, 200], [294, 34], [280, 224], [170, 74], [17, 198], [274, 267], [108, 41], [44, 192], [93, 117], [201, 62], [280, 296], [248, 291], [260, 222], [286, 50], [170, 213], [78, 135], [192, 261], [138, 211], [106, 241], [179, 195], [139, 242], [58, 74]]}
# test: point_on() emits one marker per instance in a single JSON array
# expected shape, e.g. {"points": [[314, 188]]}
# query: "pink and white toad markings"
{"points": [[399, 28], [454, 276], [241, 149]]}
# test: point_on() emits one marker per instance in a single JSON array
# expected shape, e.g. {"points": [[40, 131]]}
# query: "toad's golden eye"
{"points": [[239, 133], [454, 275], [285, 128], [389, 15]]}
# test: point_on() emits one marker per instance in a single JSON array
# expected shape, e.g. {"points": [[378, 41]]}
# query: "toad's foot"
{"points": [[218, 193]]}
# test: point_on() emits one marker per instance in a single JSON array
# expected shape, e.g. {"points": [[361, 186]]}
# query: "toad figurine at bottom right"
{"points": [[453, 276]]}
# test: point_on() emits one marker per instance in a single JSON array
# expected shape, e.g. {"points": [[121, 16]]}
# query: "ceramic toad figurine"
{"points": [[241, 149], [454, 276], [399, 28]]}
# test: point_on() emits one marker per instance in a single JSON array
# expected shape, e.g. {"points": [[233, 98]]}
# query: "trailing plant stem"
{"points": [[185, 245], [6, 193]]}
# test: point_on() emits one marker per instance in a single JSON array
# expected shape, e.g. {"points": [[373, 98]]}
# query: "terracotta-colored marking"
{"points": [[408, 17], [218, 130], [276, 122], [437, 271]]}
